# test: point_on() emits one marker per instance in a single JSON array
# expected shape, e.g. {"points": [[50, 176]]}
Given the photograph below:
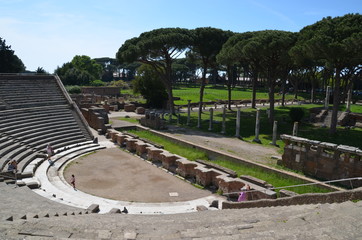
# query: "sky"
{"points": [[49, 33]]}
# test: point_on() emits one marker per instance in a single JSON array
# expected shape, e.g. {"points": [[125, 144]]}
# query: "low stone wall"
{"points": [[214, 154], [322, 160], [309, 198]]}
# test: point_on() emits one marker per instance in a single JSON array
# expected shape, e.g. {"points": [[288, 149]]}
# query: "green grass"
{"points": [[193, 154], [131, 120], [214, 93], [272, 178]]}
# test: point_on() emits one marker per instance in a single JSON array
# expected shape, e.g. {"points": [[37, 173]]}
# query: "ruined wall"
{"points": [[96, 117], [323, 160], [309, 198]]}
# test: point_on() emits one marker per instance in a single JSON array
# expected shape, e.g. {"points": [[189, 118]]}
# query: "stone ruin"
{"points": [[97, 118], [322, 160], [153, 120]]}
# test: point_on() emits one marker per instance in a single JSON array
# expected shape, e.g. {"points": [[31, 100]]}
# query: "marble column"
{"points": [[237, 130], [295, 129], [274, 139], [211, 118], [257, 126], [188, 112], [223, 127]]}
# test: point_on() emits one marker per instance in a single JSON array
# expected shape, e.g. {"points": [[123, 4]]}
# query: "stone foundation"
{"points": [[323, 160]]}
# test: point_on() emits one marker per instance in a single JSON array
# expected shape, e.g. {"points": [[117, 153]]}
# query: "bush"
{"points": [[296, 114], [73, 89], [97, 83], [150, 86]]}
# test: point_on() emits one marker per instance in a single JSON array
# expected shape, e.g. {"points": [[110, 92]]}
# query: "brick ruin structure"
{"points": [[322, 160], [153, 120]]}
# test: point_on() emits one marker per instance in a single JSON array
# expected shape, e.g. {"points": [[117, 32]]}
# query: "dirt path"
{"points": [[115, 174], [253, 152]]}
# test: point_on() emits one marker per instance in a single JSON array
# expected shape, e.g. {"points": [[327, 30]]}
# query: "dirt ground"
{"points": [[115, 174]]}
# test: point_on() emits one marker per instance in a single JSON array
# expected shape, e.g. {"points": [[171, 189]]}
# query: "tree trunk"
{"points": [[168, 84], [230, 76], [271, 100], [202, 88], [253, 98], [283, 92], [336, 93]]}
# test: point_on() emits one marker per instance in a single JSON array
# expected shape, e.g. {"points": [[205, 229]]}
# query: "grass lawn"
{"points": [[214, 93], [193, 154], [131, 120]]}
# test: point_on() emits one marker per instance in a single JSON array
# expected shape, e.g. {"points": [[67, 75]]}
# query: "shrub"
{"points": [[73, 89], [296, 114], [97, 83]]}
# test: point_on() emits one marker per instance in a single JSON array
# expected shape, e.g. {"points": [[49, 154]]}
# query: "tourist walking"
{"points": [[243, 194], [72, 181], [50, 151]]}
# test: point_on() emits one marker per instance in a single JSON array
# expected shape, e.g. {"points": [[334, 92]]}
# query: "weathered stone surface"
{"points": [[323, 160], [140, 110], [94, 208]]}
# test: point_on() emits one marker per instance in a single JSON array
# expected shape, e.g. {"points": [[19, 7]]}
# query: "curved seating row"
{"points": [[36, 112]]}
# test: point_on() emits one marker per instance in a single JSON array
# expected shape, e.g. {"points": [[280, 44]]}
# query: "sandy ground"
{"points": [[250, 151], [115, 174]]}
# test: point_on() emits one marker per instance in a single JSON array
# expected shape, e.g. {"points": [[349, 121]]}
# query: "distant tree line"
{"points": [[9, 62], [326, 53]]}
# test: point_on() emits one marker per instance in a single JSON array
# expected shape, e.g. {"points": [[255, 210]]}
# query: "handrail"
{"points": [[299, 185], [73, 105]]}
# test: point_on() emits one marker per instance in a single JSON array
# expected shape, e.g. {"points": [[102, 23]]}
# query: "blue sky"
{"points": [[48, 33]]}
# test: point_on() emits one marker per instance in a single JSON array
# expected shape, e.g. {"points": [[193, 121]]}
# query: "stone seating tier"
{"points": [[31, 116], [21, 153], [34, 111]]}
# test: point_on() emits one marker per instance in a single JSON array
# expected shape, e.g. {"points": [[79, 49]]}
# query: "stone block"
{"points": [[140, 110], [131, 144], [168, 160], [129, 108], [121, 139], [94, 208], [154, 154]]}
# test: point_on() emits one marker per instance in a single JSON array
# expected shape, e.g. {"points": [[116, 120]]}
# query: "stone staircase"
{"points": [[34, 111]]}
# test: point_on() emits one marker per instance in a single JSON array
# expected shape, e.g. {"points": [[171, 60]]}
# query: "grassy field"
{"points": [[214, 93], [193, 154]]}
